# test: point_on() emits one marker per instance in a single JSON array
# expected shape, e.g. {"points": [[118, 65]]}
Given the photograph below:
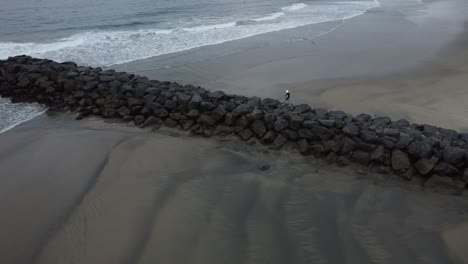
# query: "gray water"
{"points": [[102, 33]]}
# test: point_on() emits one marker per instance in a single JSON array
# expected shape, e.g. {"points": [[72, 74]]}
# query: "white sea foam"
{"points": [[270, 17], [294, 7], [104, 48], [12, 115]]}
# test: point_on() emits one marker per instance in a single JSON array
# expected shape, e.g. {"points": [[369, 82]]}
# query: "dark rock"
{"points": [[351, 130], [218, 95], [186, 124], [303, 146], [279, 141], [332, 146], [206, 120], [106, 78], [193, 113], [363, 118], [360, 157], [195, 101], [429, 130], [291, 135], [402, 123], [394, 133], [419, 149], [131, 102], [160, 113], [302, 109], [264, 167], [229, 120], [400, 160], [381, 122], [463, 136], [445, 184], [366, 146], [123, 111], [139, 119], [322, 132], [329, 123], [295, 121], [259, 128], [404, 141], [268, 102], [169, 104], [338, 114], [242, 123], [369, 136], [140, 90], [169, 122], [90, 86], [183, 98], [348, 145], [408, 174], [307, 134], [444, 168], [207, 106], [280, 124], [389, 142], [331, 157], [268, 138], [151, 121], [378, 154], [245, 134], [453, 155], [256, 114], [177, 116], [241, 110], [424, 166], [270, 120], [218, 113]]}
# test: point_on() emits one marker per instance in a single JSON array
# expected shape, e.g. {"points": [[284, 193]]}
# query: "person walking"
{"points": [[287, 95]]}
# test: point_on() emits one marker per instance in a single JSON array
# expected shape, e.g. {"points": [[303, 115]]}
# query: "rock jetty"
{"points": [[399, 147]]}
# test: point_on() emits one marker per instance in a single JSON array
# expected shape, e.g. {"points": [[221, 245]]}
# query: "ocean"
{"points": [[104, 33]]}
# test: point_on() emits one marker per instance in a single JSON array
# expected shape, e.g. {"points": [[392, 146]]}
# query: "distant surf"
{"points": [[12, 115], [108, 47]]}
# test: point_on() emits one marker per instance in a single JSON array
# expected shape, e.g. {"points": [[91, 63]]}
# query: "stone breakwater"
{"points": [[437, 154]]}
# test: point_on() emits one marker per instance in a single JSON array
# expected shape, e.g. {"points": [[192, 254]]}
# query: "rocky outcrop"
{"points": [[388, 146]]}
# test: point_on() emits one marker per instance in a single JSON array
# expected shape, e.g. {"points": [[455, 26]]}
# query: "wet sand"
{"points": [[91, 192]]}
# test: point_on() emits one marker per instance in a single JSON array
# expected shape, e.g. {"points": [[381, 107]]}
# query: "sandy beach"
{"points": [[102, 193], [108, 193]]}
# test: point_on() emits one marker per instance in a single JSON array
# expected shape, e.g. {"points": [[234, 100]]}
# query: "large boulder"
{"points": [[259, 128], [425, 165], [195, 101], [322, 132], [400, 160], [241, 110], [279, 141], [351, 130], [404, 141], [369, 136], [280, 124], [419, 149], [206, 120], [245, 134], [453, 155]]}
